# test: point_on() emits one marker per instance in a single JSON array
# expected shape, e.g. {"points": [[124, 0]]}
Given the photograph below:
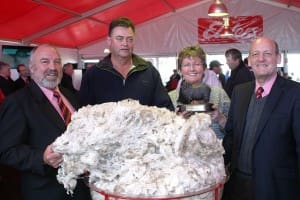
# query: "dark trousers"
{"points": [[238, 187]]}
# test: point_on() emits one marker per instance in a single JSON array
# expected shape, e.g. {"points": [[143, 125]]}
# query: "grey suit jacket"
{"points": [[28, 124]]}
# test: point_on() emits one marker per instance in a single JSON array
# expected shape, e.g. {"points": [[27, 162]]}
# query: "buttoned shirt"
{"points": [[267, 86], [53, 100]]}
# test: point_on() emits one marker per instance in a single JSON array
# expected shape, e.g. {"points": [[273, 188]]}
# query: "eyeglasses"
{"points": [[196, 65]]}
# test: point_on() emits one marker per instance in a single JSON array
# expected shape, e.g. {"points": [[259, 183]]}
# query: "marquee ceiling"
{"points": [[74, 23], [79, 23]]}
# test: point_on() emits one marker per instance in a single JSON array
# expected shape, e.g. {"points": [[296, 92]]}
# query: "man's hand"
{"points": [[51, 158]]}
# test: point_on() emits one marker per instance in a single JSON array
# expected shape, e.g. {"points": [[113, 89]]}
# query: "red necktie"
{"points": [[259, 92], [64, 109]]}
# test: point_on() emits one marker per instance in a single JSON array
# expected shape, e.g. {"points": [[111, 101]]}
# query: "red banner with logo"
{"points": [[244, 28]]}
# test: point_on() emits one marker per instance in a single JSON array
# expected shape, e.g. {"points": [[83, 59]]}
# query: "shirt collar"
{"points": [[267, 86], [48, 92]]}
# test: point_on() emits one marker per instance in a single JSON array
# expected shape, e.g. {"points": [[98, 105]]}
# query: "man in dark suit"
{"points": [[30, 120], [67, 81], [6, 83], [24, 77], [239, 72], [262, 141]]}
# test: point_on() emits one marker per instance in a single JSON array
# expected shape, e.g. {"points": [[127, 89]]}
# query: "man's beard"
{"points": [[45, 81]]}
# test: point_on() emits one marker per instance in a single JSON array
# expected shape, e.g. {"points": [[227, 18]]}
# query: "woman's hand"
{"points": [[184, 114], [218, 117]]}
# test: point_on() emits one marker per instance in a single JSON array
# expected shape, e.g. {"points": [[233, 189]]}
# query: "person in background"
{"points": [[67, 81], [30, 120], [262, 141], [87, 67], [9, 177], [7, 85], [122, 74], [246, 63], [191, 62], [215, 66], [286, 76], [211, 78], [24, 77], [227, 75], [2, 97], [239, 72], [173, 81]]}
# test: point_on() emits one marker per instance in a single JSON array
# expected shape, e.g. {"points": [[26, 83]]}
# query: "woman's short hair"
{"points": [[191, 51]]}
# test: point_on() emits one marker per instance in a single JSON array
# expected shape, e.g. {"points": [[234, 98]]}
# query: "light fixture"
{"points": [[227, 30], [106, 51], [217, 9]]}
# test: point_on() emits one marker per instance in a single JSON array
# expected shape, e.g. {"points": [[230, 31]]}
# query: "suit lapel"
{"points": [[272, 100], [71, 98], [45, 106], [243, 104]]}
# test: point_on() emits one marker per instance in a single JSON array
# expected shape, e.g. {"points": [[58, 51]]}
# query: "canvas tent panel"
{"points": [[72, 23], [163, 26]]}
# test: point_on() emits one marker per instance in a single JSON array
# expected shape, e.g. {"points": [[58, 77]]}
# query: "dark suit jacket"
{"points": [[276, 151], [28, 123], [239, 75], [7, 86], [67, 82], [20, 83]]}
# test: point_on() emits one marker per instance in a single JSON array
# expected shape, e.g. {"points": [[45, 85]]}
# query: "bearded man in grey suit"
{"points": [[30, 120]]}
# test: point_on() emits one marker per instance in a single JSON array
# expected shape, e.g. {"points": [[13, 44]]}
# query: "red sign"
{"points": [[244, 28]]}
